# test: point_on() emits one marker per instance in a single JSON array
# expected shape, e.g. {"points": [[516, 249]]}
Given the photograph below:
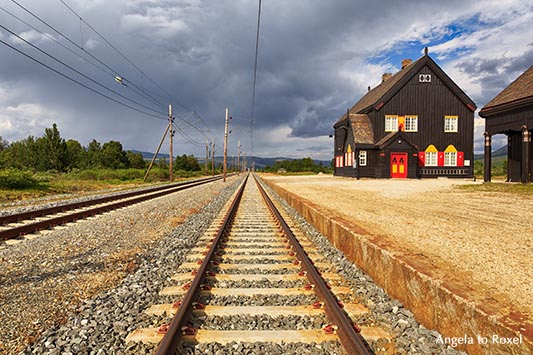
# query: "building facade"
{"points": [[416, 123]]}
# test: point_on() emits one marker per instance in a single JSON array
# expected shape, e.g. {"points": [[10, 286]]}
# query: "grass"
{"points": [[500, 187], [76, 182]]}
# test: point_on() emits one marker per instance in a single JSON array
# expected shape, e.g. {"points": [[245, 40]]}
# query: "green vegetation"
{"points": [[498, 168], [34, 167], [514, 188], [305, 165]]}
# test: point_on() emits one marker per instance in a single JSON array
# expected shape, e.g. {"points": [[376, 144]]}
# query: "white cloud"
{"points": [[31, 36]]}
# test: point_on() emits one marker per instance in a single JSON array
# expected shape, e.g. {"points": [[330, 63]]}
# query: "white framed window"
{"points": [[391, 123], [411, 123], [450, 158], [450, 123], [362, 158], [431, 159]]}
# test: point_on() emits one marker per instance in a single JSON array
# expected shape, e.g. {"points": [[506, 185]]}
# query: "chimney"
{"points": [[385, 77], [406, 62]]}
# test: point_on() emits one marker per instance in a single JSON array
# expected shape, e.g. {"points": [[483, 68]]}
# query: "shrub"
{"points": [[17, 179]]}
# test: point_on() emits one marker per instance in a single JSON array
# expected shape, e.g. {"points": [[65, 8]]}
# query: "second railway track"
{"points": [[19, 224], [255, 282]]}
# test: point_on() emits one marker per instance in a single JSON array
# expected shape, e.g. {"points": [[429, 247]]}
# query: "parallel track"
{"points": [[59, 215], [253, 235]]}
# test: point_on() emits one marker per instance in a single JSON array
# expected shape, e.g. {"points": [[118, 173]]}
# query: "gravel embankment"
{"points": [[46, 278]]}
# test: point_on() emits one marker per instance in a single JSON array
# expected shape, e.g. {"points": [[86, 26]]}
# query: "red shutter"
{"points": [[440, 158], [460, 158], [421, 158]]}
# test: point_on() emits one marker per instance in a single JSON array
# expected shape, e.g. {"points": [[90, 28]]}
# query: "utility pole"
{"points": [[213, 158], [170, 121], [206, 155], [244, 162], [224, 167], [239, 158], [155, 154]]}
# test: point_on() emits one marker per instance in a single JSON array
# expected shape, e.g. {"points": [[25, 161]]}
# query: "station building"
{"points": [[416, 123]]}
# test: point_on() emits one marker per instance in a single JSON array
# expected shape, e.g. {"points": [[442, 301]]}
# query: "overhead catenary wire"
{"points": [[111, 71], [101, 65], [78, 82], [255, 77], [125, 57], [171, 97], [78, 72]]}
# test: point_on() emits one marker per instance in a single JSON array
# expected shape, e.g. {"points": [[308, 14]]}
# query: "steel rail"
{"points": [[72, 206], [171, 339], [55, 221], [351, 340]]}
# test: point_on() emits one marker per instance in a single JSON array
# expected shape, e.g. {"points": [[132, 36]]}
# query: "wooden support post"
{"points": [[213, 158], [155, 154], [488, 158], [170, 122], [525, 161], [224, 166]]}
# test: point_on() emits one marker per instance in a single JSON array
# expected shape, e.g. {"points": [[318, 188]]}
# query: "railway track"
{"points": [[16, 225], [254, 281]]}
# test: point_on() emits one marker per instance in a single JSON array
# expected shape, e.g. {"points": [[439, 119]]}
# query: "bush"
{"points": [[16, 179]]}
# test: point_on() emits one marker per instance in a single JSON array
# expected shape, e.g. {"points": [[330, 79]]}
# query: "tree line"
{"points": [[52, 152], [298, 165]]}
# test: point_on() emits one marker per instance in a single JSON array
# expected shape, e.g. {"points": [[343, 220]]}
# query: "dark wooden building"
{"points": [[416, 123], [511, 113]]}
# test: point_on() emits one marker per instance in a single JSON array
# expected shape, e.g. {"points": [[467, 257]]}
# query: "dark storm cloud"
{"points": [[313, 64]]}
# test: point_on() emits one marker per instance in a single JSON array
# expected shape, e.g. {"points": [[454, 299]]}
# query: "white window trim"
{"points": [[431, 161], [451, 124], [414, 119], [450, 158], [392, 121], [362, 158]]}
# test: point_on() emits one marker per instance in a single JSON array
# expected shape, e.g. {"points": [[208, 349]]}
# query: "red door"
{"points": [[398, 165]]}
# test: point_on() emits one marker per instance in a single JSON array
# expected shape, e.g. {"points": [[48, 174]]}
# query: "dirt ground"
{"points": [[483, 239]]}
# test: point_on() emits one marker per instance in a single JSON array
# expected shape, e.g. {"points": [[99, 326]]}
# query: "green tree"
{"points": [[76, 155], [51, 150], [3, 144], [187, 163], [113, 156], [21, 154], [136, 160], [94, 154]]}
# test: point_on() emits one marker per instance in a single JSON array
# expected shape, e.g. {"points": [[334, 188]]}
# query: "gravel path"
{"points": [[46, 278]]}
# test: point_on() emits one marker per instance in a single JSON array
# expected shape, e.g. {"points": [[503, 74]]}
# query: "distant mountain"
{"points": [[260, 163], [148, 155], [500, 152]]}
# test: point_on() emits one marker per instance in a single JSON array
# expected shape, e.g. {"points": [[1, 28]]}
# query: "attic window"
{"points": [[424, 78]]}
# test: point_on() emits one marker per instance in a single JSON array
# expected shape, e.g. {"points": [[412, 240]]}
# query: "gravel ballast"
{"points": [[46, 278]]}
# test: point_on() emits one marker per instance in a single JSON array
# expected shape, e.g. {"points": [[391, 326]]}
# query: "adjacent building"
{"points": [[416, 123], [511, 113]]}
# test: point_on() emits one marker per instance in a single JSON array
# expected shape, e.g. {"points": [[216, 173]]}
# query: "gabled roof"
{"points": [[518, 92], [382, 93], [389, 138]]}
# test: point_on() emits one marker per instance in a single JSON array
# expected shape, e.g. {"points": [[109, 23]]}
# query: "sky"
{"points": [[316, 59]]}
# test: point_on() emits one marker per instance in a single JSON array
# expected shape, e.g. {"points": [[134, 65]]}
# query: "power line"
{"points": [[78, 72], [132, 63], [111, 71], [255, 75], [79, 83], [124, 56]]}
